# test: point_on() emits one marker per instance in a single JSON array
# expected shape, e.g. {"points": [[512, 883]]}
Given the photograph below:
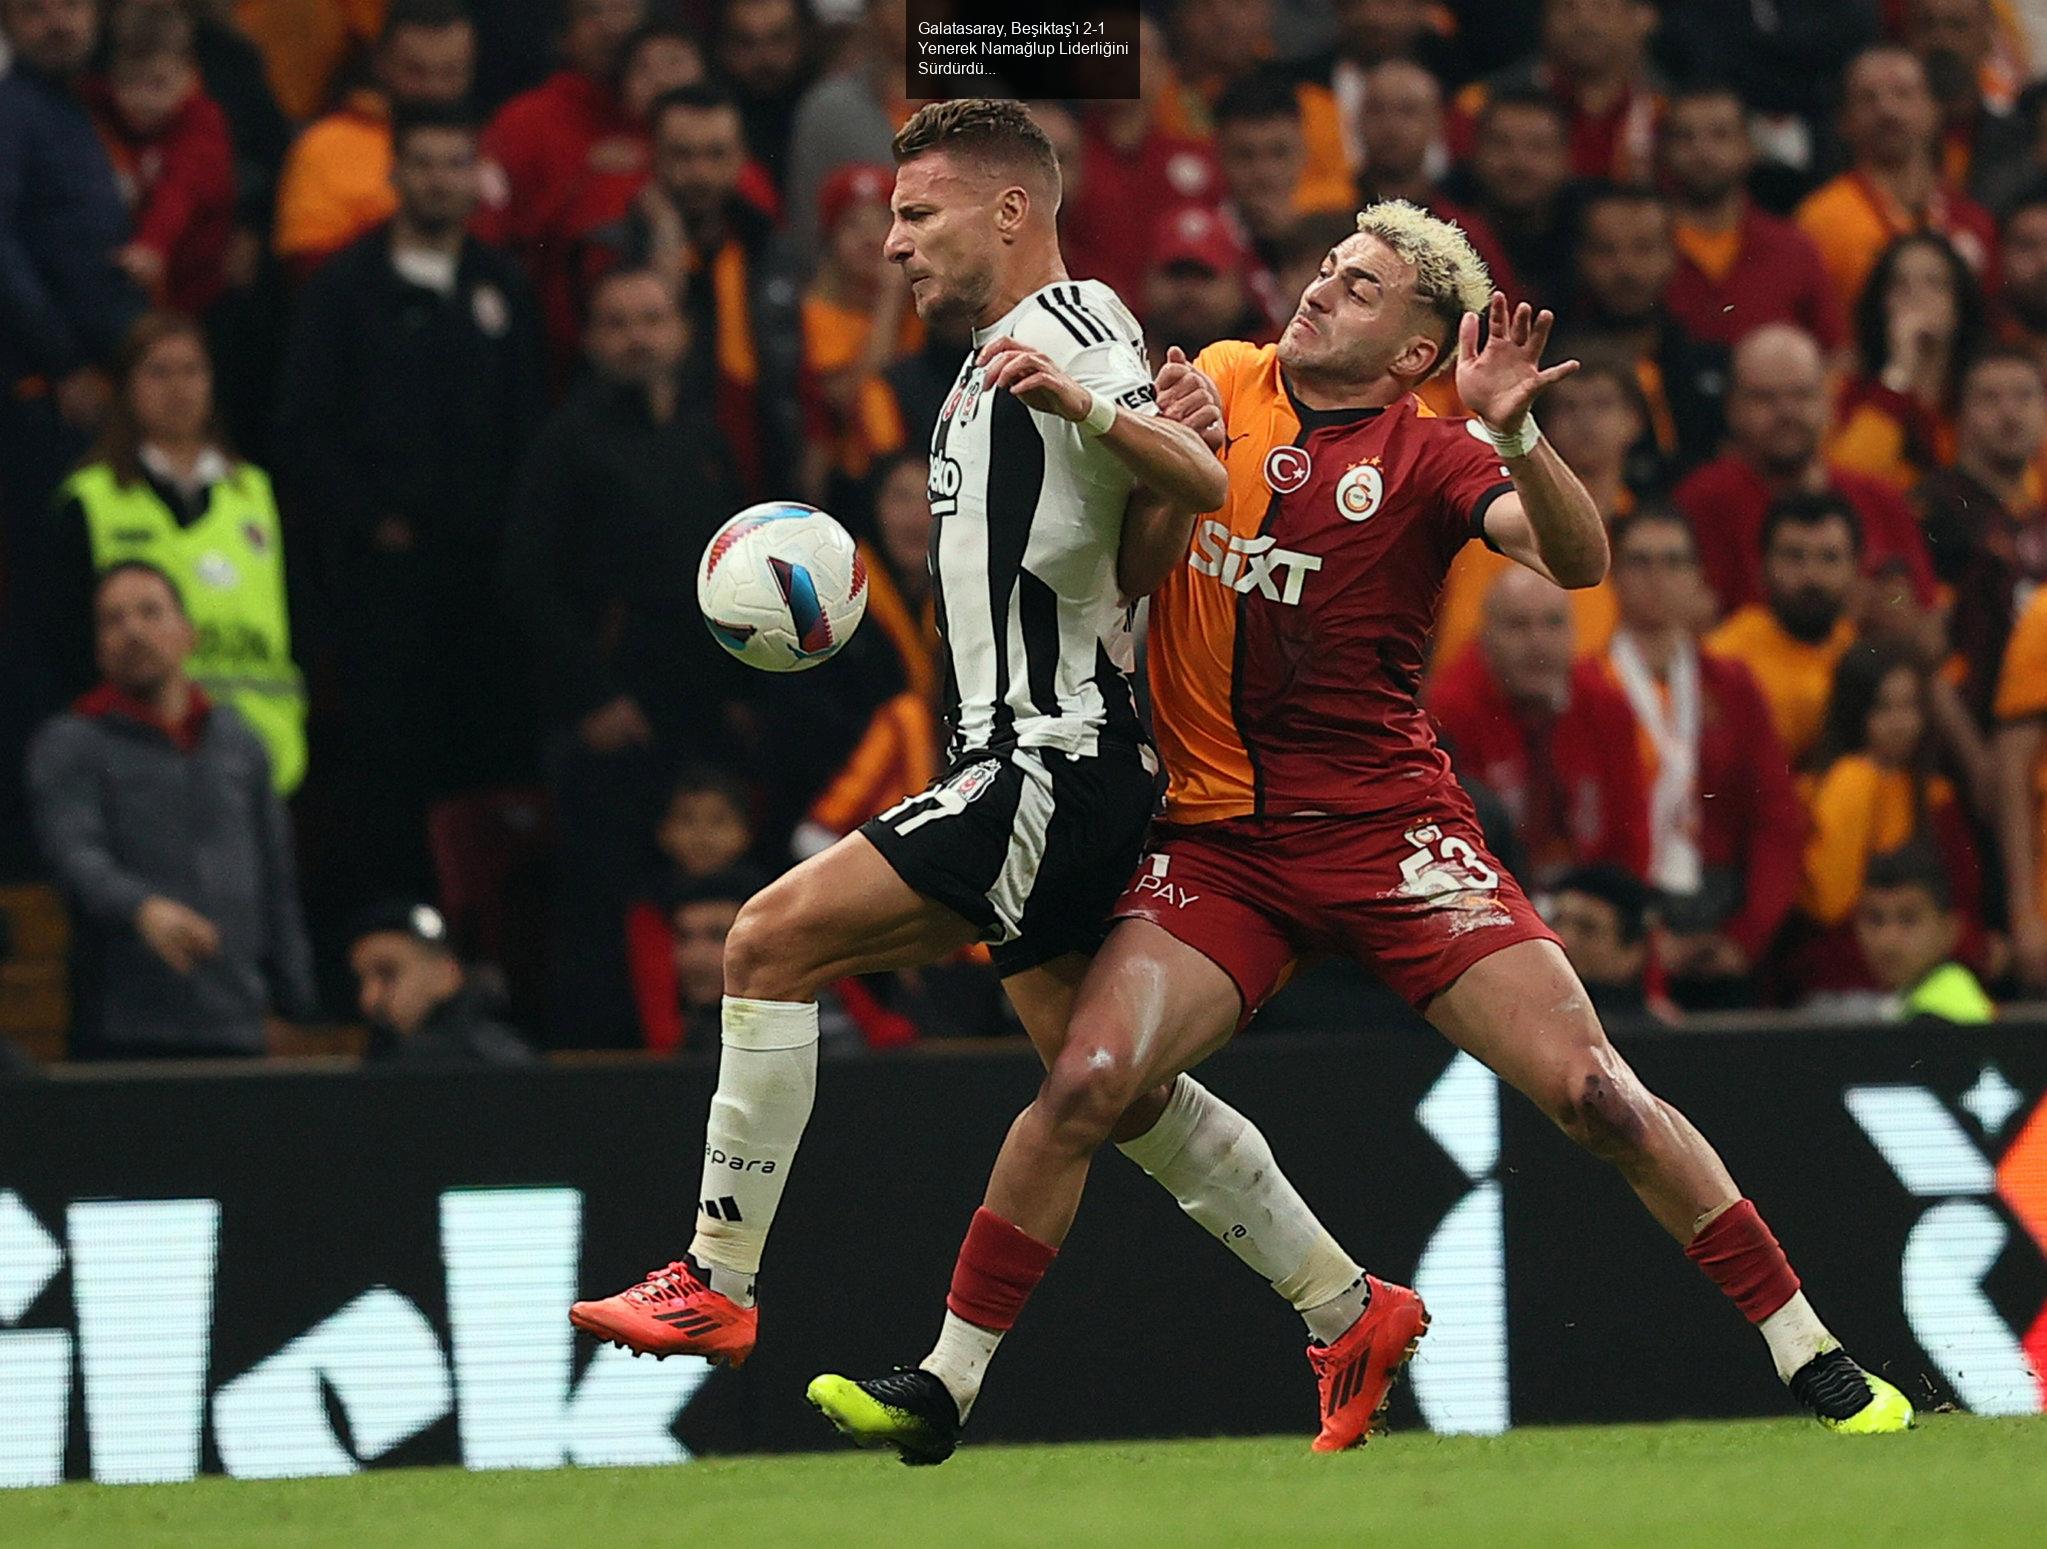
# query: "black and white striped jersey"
{"points": [[1027, 513]]}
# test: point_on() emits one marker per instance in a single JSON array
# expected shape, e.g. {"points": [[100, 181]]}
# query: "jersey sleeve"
{"points": [[2022, 685], [1116, 371], [1469, 477]]}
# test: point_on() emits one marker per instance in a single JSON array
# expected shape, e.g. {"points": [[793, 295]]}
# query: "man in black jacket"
{"points": [[413, 384], [616, 501], [414, 992]]}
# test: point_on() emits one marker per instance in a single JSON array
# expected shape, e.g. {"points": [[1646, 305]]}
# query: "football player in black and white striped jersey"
{"points": [[1049, 453]]}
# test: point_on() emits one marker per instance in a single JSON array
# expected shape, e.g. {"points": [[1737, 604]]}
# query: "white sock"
{"points": [[960, 1359], [767, 1080], [1331, 1320], [1215, 1162], [1795, 1335]]}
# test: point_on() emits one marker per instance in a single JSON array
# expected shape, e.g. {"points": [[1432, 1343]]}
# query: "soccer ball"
{"points": [[782, 586]]}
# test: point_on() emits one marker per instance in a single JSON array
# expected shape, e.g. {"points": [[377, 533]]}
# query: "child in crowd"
{"points": [[708, 824], [1870, 789], [1908, 930], [170, 146]]}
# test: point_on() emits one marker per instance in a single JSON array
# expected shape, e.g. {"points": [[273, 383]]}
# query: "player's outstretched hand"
{"points": [[1030, 375], [1499, 382], [1188, 396]]}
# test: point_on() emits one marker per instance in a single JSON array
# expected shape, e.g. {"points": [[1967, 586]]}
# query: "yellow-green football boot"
{"points": [[911, 1411], [1845, 1398]]}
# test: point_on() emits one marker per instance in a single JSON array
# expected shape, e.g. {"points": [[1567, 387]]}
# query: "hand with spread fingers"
{"points": [[1499, 382], [1032, 377]]}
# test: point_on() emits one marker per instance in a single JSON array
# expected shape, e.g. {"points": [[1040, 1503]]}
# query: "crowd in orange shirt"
{"points": [[1811, 302]]}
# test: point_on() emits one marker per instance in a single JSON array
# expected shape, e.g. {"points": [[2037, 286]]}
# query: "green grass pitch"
{"points": [[1956, 1480]]}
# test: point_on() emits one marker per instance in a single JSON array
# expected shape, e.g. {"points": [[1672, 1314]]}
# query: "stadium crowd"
{"points": [[379, 368]]}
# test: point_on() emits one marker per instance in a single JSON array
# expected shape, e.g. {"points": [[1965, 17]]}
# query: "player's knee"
{"points": [[761, 957], [1086, 1093], [1600, 1104]]}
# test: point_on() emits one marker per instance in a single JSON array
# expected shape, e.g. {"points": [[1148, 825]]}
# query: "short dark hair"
{"points": [[1652, 515], [996, 131], [1598, 193], [1708, 89], [701, 98], [141, 567], [1532, 97], [1805, 509], [658, 31], [142, 33], [1618, 888], [694, 779], [2001, 355], [2032, 197], [409, 119], [432, 15], [1259, 97], [1916, 863]]}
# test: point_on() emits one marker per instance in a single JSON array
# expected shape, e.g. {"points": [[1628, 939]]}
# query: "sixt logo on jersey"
{"points": [[1251, 564]]}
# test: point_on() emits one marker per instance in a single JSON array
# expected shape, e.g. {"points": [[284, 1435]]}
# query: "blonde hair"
{"points": [[1450, 279]]}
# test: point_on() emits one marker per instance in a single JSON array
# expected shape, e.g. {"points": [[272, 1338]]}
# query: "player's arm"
{"points": [[1168, 458], [1549, 522], [1155, 531]]}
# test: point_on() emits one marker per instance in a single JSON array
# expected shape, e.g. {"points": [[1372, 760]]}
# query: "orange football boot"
{"points": [[1355, 1375], [672, 1312]]}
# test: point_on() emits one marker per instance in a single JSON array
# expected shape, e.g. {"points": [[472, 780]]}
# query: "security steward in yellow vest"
{"points": [[217, 536]]}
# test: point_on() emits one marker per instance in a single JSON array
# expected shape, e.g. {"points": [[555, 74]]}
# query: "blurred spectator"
{"points": [[694, 226], [337, 179], [2021, 760], [1626, 257], [1979, 133], [1784, 60], [899, 598], [569, 156], [307, 44], [1919, 322], [1725, 825], [1873, 788], [615, 502], [163, 485], [919, 383], [1908, 929], [1371, 34], [706, 827], [1516, 181], [422, 1009], [155, 812], [762, 49], [412, 385], [64, 301], [1263, 155], [1195, 292], [857, 321], [1592, 418], [1133, 175], [1219, 46], [173, 156], [1811, 546], [2021, 299], [1894, 185], [680, 989], [1602, 915], [1738, 267], [1399, 128], [1594, 62], [1777, 409], [1556, 742], [1984, 525], [850, 115]]}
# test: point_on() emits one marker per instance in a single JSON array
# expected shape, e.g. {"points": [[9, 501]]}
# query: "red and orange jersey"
{"points": [[1285, 656]]}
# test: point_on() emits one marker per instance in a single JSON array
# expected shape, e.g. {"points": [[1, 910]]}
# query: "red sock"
{"points": [[1739, 1254], [999, 1266]]}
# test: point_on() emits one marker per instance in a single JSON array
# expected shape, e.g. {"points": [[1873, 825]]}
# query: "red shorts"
{"points": [[1416, 898]]}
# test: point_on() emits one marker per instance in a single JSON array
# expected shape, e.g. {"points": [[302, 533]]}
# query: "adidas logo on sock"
{"points": [[722, 1209]]}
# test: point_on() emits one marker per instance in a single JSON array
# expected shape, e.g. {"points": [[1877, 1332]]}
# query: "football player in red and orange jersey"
{"points": [[1309, 803]]}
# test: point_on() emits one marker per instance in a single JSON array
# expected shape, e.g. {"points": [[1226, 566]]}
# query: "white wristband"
{"points": [[1517, 445], [1101, 414]]}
